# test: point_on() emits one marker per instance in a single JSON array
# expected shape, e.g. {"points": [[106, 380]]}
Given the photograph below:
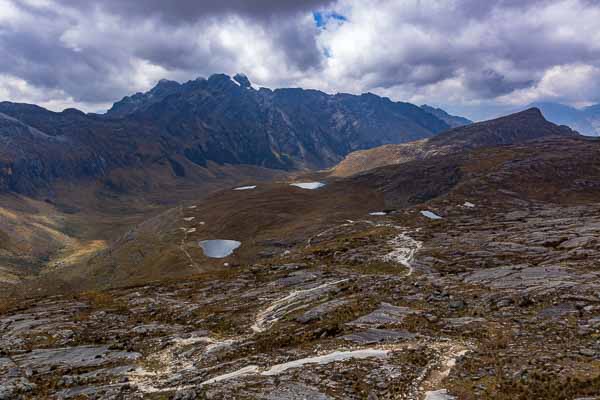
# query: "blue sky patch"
{"points": [[323, 17]]}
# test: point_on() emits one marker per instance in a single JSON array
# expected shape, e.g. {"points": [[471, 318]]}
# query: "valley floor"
{"points": [[489, 302]]}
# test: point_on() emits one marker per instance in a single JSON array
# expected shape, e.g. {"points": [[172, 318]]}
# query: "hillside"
{"points": [[429, 278], [71, 182], [275, 216], [271, 211], [515, 128], [324, 228]]}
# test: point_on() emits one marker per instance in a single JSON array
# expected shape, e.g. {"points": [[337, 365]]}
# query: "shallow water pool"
{"points": [[219, 248]]}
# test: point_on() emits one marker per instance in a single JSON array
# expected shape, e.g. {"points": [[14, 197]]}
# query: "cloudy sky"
{"points": [[475, 58]]}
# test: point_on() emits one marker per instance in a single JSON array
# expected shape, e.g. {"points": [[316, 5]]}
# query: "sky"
{"points": [[471, 57]]}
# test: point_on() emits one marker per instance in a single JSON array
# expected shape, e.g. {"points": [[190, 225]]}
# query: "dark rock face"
{"points": [[242, 80], [225, 120], [133, 103], [219, 119], [38, 147]]}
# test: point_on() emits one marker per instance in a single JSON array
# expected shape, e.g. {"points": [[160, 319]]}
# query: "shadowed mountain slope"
{"points": [[71, 181], [274, 218], [323, 293], [184, 127], [414, 279]]}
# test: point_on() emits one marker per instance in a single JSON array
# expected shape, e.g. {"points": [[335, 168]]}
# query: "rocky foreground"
{"points": [[497, 300]]}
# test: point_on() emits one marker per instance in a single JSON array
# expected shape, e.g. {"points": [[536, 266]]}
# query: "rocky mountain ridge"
{"points": [[182, 128], [516, 128]]}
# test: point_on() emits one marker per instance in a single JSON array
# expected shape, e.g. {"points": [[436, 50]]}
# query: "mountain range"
{"points": [[209, 240], [179, 129], [70, 182], [385, 177]]}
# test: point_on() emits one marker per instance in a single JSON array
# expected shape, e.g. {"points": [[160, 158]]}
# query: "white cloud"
{"points": [[570, 83], [21, 91], [460, 54]]}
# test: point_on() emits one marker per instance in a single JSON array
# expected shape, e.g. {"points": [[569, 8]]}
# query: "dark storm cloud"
{"points": [[443, 51], [300, 44], [36, 57], [489, 83], [86, 49], [192, 10], [276, 17]]}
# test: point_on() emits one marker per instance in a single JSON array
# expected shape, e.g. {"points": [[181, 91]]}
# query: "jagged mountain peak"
{"points": [[138, 101], [531, 112], [243, 80], [165, 85], [216, 120]]}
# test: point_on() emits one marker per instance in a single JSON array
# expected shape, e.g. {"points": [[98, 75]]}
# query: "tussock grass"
{"points": [[7, 305], [103, 300]]}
